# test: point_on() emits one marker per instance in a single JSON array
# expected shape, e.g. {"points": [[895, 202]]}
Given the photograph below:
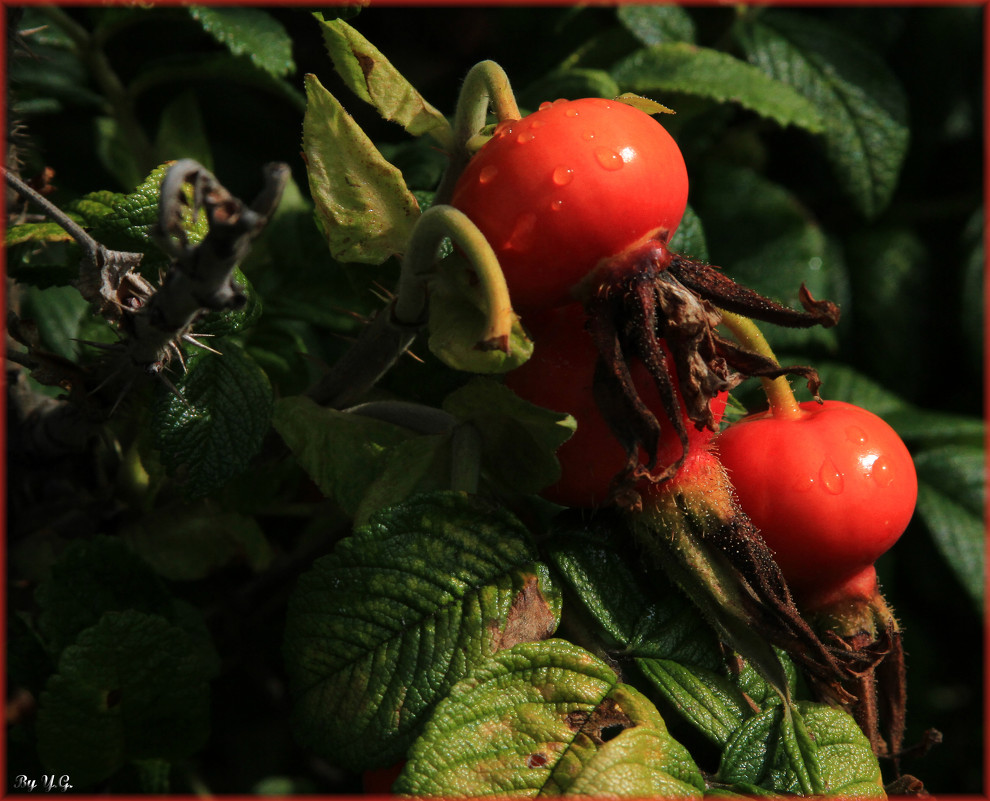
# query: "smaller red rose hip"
{"points": [[830, 486]]}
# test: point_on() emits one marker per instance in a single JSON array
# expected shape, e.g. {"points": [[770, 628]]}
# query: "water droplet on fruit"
{"points": [[545, 105], [537, 123], [588, 135], [525, 136], [487, 174], [571, 112], [608, 158], [881, 472], [562, 175], [503, 128], [521, 237], [556, 205], [831, 477], [856, 434], [803, 483]]}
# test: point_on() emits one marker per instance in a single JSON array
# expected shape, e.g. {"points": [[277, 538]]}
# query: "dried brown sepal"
{"points": [[646, 303]]}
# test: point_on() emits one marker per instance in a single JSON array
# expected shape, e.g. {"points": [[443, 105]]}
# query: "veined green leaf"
{"points": [[951, 500], [657, 24], [860, 101], [379, 630], [764, 752], [133, 686], [250, 32], [687, 68], [211, 433], [366, 210], [375, 80], [548, 719]]}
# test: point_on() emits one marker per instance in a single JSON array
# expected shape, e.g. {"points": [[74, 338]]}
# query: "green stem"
{"points": [[418, 266], [783, 405], [486, 83]]}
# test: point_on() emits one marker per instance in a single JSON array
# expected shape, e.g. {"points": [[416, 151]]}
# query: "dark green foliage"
{"points": [[184, 573]]}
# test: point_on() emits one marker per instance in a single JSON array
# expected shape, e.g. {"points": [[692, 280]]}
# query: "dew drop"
{"points": [[831, 477], [881, 472], [525, 136], [503, 128], [545, 105], [856, 434], [521, 238], [588, 135], [487, 174], [804, 483], [608, 158], [562, 175], [571, 112], [537, 123], [556, 205]]}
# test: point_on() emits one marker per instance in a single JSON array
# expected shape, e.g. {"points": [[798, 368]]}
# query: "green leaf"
{"points": [[372, 77], [250, 32], [764, 753], [379, 630], [420, 464], [710, 701], [116, 152], [860, 100], [458, 323], [693, 70], [636, 611], [36, 232], [57, 312], [343, 453], [188, 543], [547, 719], [764, 239], [90, 578], [890, 297], [131, 219], [689, 239], [229, 321], [181, 133], [132, 687], [951, 500], [362, 202], [210, 433], [518, 438], [657, 24]]}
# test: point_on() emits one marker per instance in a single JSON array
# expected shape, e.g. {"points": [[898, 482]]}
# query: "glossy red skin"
{"points": [[830, 491], [559, 376], [568, 185]]}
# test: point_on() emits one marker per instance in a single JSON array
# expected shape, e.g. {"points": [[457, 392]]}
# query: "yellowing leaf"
{"points": [[366, 210], [372, 77]]}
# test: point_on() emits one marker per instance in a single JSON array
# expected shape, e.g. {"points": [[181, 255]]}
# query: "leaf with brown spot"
{"points": [[374, 79], [547, 719], [530, 618]]}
